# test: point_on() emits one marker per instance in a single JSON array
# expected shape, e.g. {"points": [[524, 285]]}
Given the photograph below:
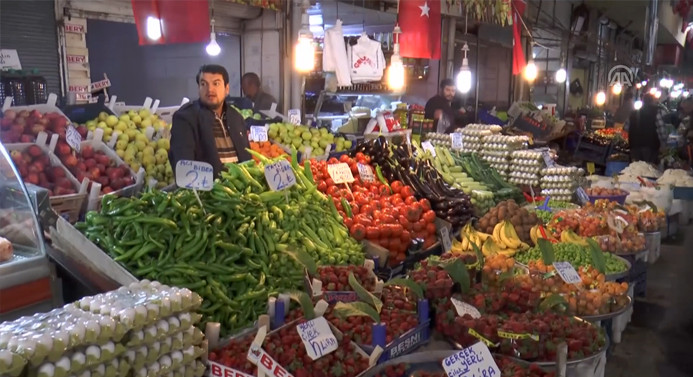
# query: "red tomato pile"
{"points": [[391, 220]]}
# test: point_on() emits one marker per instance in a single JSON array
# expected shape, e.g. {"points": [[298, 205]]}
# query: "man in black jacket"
{"points": [[209, 129]]}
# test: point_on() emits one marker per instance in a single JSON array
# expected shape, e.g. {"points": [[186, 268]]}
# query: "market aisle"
{"points": [[659, 340]]}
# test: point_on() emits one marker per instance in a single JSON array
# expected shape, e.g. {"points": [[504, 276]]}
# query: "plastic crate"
{"points": [[620, 199], [85, 112], [486, 118]]}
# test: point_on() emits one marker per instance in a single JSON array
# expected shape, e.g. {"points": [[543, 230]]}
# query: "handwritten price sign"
{"points": [[463, 308], [74, 139], [258, 133], [195, 175], [427, 146], [340, 173], [317, 337], [279, 175], [366, 173], [457, 142], [218, 370], [566, 271], [474, 361], [445, 238]]}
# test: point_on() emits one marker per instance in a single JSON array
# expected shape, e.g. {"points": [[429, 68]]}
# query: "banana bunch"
{"points": [[538, 231], [468, 236], [504, 240], [569, 236]]}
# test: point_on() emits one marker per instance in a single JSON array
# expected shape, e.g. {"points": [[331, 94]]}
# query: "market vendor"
{"points": [[252, 89], [439, 108], [209, 129], [646, 131]]}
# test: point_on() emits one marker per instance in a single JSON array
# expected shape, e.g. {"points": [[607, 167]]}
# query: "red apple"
{"points": [[70, 161], [103, 180], [59, 122], [5, 124], [102, 168], [17, 128], [83, 131], [103, 159], [34, 151], [9, 114], [81, 166], [128, 180], [117, 183], [90, 163], [63, 182], [26, 139], [35, 114], [94, 174], [80, 175], [23, 114], [62, 149], [32, 178], [87, 151], [16, 156], [106, 190], [44, 159]]}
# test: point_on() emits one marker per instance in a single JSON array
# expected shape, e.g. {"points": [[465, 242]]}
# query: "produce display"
{"points": [[481, 172], [560, 182], [503, 240], [24, 126], [301, 137], [577, 255], [267, 149], [399, 164], [520, 218], [251, 239], [36, 167], [390, 217], [676, 178], [95, 165], [525, 166], [136, 143], [601, 191], [145, 329], [507, 366], [451, 170], [497, 149], [472, 136], [546, 216], [638, 169]]}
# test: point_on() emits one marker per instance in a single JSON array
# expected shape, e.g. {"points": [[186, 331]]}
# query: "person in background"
{"points": [[623, 113], [439, 108], [209, 129], [644, 132], [252, 89]]}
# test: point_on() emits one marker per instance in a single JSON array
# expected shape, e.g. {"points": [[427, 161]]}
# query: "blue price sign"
{"points": [[194, 175], [279, 175]]}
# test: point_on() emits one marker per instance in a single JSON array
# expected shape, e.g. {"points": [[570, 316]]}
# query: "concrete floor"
{"points": [[659, 340]]}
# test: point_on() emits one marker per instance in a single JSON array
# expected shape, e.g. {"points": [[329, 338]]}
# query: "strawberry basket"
{"points": [[331, 283]]}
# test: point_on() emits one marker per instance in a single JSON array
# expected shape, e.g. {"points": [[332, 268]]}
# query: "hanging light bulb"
{"points": [[685, 94], [638, 85], [663, 82], [213, 48], [304, 53], [561, 75], [395, 73], [643, 83], [616, 89], [653, 90], [153, 28], [675, 94], [600, 99], [658, 94], [637, 105], [464, 77], [530, 73]]}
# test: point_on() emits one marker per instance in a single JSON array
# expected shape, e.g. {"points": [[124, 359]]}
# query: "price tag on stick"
{"points": [[427, 146], [473, 361], [445, 238], [258, 133], [74, 139], [195, 175], [340, 173], [457, 142], [463, 308], [317, 337], [279, 175], [366, 172], [566, 271]]}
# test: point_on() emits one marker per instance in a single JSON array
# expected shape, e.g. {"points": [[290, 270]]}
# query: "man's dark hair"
{"points": [[446, 82], [252, 78], [628, 96], [213, 68]]}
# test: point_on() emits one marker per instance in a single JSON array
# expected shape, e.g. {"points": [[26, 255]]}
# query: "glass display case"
{"points": [[26, 283]]}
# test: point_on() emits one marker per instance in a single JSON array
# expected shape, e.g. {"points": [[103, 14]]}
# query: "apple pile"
{"points": [[23, 126], [96, 166], [34, 167]]}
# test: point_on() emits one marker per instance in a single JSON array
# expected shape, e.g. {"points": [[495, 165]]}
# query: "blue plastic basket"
{"points": [[614, 167], [486, 118]]}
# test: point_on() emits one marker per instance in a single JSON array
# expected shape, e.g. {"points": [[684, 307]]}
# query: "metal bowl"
{"points": [[605, 316]]}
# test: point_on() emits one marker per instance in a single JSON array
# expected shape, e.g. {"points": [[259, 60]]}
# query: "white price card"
{"points": [[194, 175], [258, 133], [547, 159], [295, 116], [279, 175], [582, 195], [473, 361], [218, 370], [74, 139], [445, 238], [340, 173], [317, 337], [457, 142], [427, 146], [366, 172], [566, 271], [463, 308]]}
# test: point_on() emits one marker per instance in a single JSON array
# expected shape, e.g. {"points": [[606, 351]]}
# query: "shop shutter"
{"points": [[30, 28]]}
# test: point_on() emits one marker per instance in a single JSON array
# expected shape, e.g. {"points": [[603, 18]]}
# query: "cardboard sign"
{"points": [[9, 59], [317, 337], [366, 173], [295, 116], [279, 175], [218, 370], [473, 361], [74, 139], [266, 363], [547, 159], [195, 175], [77, 59], [566, 271], [427, 146], [96, 86], [74, 28], [463, 308], [457, 140], [582, 195], [340, 173], [258, 133], [445, 238]]}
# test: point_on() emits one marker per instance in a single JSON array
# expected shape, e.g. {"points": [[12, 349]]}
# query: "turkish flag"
{"points": [[518, 9], [180, 21], [420, 24]]}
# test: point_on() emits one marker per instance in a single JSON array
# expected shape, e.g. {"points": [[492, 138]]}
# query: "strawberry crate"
{"points": [[22, 124], [38, 165], [334, 286]]}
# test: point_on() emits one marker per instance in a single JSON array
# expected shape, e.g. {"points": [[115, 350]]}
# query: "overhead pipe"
{"points": [[651, 29]]}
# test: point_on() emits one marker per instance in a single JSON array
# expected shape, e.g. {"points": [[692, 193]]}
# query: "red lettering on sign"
{"points": [[70, 28], [76, 58], [362, 60]]}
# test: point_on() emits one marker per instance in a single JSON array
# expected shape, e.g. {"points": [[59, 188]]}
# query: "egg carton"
{"points": [[557, 178], [525, 169], [527, 154], [523, 181], [557, 191], [562, 170], [495, 153]]}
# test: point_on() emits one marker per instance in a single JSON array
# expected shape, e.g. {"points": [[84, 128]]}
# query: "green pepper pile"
{"points": [[243, 245]]}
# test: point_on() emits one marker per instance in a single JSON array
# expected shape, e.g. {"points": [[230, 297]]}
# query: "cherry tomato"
{"points": [[322, 186], [395, 244], [343, 158], [387, 219], [332, 191], [410, 200], [405, 237], [396, 186], [429, 216], [406, 224], [385, 230], [431, 229], [358, 231], [329, 182], [372, 232], [397, 230], [367, 209], [363, 220], [395, 199], [418, 226], [348, 222], [406, 192], [332, 161], [383, 190], [360, 156], [354, 208], [425, 204]]}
